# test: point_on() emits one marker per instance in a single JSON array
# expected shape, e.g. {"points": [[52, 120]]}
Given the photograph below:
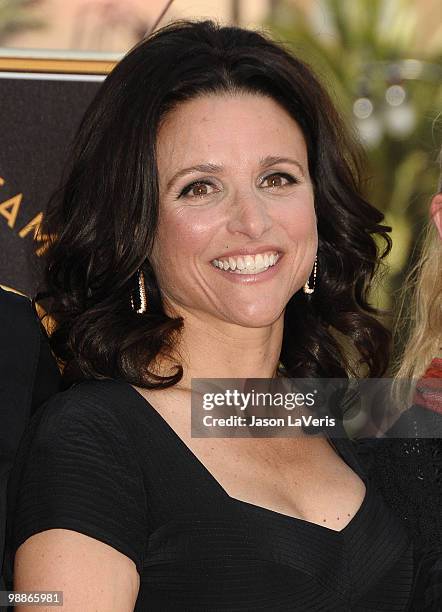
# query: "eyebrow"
{"points": [[265, 162]]}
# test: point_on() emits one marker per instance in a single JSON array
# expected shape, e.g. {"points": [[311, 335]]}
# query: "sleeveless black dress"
{"points": [[98, 459]]}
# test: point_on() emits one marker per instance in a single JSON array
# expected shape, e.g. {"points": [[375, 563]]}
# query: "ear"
{"points": [[436, 212]]}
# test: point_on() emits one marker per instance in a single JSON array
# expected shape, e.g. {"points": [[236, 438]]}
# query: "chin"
{"points": [[255, 317]]}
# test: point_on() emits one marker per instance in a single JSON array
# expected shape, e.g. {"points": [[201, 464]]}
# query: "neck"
{"points": [[211, 348]]}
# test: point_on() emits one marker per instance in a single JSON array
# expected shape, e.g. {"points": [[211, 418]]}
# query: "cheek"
{"points": [[300, 221], [302, 229], [183, 235]]}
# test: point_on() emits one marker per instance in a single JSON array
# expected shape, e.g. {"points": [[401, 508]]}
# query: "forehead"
{"points": [[221, 128]]}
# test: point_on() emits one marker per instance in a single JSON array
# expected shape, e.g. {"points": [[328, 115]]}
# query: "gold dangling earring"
{"points": [[307, 288], [141, 295]]}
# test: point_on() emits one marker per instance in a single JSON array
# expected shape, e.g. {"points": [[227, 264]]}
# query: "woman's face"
{"points": [[237, 227]]}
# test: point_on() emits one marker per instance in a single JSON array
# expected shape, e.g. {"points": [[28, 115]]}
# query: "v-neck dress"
{"points": [[100, 460]]}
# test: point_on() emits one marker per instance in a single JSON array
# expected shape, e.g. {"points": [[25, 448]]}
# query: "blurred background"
{"points": [[380, 60]]}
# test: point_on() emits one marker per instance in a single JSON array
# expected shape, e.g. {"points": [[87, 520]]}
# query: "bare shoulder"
{"points": [[62, 560]]}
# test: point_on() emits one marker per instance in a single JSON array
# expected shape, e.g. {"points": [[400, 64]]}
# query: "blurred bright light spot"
{"points": [[362, 108], [400, 120], [395, 95], [370, 131], [411, 69]]}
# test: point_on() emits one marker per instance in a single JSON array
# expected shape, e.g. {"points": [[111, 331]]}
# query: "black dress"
{"points": [[98, 459], [407, 472]]}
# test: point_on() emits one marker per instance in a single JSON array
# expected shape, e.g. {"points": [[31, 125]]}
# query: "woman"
{"points": [[212, 226], [422, 356], [407, 468]]}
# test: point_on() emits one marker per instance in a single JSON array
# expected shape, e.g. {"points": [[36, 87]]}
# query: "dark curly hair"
{"points": [[103, 220]]}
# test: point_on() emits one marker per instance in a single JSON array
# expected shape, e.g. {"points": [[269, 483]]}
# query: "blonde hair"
{"points": [[424, 322]]}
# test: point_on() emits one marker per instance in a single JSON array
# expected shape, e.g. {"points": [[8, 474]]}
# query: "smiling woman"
{"points": [[230, 133], [212, 225], [247, 222]]}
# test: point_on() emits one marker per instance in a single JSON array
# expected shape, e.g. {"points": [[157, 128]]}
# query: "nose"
{"points": [[249, 215]]}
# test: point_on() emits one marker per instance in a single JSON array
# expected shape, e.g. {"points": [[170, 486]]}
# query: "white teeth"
{"points": [[249, 264], [259, 261]]}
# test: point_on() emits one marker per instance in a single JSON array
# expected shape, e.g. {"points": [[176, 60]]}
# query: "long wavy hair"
{"points": [[423, 293], [103, 220]]}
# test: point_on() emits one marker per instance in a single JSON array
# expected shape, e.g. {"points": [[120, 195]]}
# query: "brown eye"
{"points": [[274, 181], [198, 189], [277, 180]]}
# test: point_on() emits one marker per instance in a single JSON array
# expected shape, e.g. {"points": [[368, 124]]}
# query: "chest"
{"points": [[302, 477]]}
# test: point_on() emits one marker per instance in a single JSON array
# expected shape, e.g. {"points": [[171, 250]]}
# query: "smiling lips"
{"points": [[247, 264]]}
